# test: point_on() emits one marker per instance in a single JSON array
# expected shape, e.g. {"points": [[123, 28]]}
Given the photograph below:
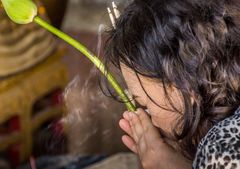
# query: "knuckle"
{"points": [[134, 118], [134, 122]]}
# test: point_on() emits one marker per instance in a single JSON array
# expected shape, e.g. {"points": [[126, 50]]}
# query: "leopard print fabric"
{"points": [[220, 148]]}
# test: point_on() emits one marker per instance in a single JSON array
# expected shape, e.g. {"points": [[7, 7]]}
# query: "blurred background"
{"points": [[53, 114]]}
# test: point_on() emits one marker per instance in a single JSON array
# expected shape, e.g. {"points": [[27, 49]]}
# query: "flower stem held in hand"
{"points": [[25, 11], [94, 59]]}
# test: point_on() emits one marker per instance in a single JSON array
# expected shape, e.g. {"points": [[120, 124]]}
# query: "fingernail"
{"points": [[138, 111]]}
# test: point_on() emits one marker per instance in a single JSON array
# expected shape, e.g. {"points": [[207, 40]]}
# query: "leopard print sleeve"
{"points": [[220, 148]]}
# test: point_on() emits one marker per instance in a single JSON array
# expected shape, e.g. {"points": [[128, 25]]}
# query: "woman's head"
{"points": [[190, 47], [150, 94]]}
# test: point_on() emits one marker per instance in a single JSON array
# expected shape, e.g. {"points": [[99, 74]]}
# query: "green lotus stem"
{"points": [[94, 59], [25, 11]]}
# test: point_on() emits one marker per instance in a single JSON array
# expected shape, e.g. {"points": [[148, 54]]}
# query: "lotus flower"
{"points": [[20, 11], [25, 11]]}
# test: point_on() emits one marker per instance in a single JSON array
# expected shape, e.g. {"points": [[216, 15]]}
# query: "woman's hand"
{"points": [[144, 139]]}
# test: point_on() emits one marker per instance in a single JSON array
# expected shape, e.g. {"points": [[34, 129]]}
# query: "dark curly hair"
{"points": [[191, 44]]}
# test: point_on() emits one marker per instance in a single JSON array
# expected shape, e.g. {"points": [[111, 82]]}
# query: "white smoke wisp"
{"points": [[92, 117]]}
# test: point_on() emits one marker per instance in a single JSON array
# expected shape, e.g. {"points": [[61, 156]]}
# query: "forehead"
{"points": [[134, 79], [139, 85]]}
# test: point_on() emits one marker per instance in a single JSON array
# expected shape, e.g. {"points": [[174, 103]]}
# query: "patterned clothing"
{"points": [[220, 148]]}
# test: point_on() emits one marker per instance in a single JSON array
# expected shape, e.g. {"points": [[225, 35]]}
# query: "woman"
{"points": [[181, 61]]}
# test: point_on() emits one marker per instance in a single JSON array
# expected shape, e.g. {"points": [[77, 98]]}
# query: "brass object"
{"points": [[30, 68], [18, 100]]}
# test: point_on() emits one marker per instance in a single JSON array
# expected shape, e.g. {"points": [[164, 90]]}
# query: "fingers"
{"points": [[140, 129], [136, 126], [128, 141], [144, 118], [126, 115], [147, 124], [125, 123], [143, 131], [125, 126]]}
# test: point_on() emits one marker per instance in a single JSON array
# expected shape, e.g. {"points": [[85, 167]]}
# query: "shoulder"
{"points": [[220, 148]]}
